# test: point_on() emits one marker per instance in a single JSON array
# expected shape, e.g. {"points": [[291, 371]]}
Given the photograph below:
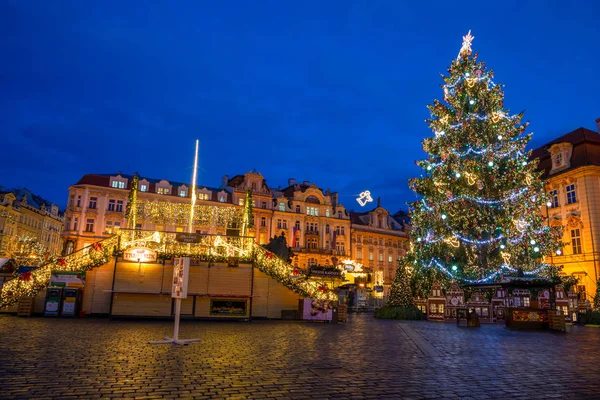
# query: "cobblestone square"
{"points": [[364, 358]]}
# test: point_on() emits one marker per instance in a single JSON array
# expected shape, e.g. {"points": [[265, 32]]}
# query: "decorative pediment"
{"points": [[560, 154], [574, 221]]}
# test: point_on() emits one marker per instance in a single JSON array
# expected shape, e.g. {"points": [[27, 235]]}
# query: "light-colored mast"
{"points": [[193, 204]]}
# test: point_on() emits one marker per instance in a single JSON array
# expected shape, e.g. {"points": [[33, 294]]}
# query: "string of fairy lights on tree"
{"points": [[479, 213]]}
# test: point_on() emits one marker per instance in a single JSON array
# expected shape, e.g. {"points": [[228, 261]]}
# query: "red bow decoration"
{"points": [[269, 255], [26, 276], [323, 289], [97, 246], [296, 271], [62, 262]]}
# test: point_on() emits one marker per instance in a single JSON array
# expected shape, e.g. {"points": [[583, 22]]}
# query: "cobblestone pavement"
{"points": [[364, 358]]}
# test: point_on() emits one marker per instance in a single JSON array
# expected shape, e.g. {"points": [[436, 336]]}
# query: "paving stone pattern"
{"points": [[362, 359]]}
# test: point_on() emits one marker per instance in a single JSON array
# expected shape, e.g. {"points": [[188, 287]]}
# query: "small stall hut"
{"points": [[455, 299], [436, 303], [519, 298], [573, 304], [482, 307], [421, 304], [562, 301], [499, 303]]}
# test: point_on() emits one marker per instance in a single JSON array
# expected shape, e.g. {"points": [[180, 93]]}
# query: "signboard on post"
{"points": [[183, 237], [140, 254], [181, 271]]}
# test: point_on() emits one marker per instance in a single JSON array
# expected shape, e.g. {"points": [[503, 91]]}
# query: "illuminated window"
{"points": [[553, 194], [327, 212], [118, 184], [222, 199], [390, 257], [370, 255], [117, 226], [143, 188], [109, 227], [163, 190], [182, 193], [241, 201], [440, 308], [571, 197], [576, 241], [312, 262], [312, 211], [359, 254], [526, 302], [381, 256], [281, 206]]}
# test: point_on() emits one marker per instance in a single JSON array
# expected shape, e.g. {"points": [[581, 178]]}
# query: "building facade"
{"points": [[318, 229], [571, 168], [378, 240], [23, 214]]}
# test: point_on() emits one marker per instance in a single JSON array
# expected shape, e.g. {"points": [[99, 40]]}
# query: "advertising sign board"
{"points": [[181, 270]]}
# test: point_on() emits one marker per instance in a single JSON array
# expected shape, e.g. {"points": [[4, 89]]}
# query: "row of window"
{"points": [[570, 192], [371, 255]]}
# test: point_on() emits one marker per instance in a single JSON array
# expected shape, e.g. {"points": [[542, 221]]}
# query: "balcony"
{"points": [[313, 232], [312, 251]]}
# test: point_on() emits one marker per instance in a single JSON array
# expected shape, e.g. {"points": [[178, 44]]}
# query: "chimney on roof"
{"points": [[307, 183], [378, 202], [291, 182], [224, 181], [598, 124]]}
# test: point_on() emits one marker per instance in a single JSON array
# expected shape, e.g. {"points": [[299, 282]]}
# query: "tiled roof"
{"points": [[104, 181], [586, 150], [32, 199]]}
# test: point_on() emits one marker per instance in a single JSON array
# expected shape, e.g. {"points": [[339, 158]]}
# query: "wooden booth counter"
{"points": [[215, 290]]}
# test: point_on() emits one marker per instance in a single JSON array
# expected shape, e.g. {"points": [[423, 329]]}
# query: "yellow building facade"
{"points": [[378, 240], [319, 229], [571, 169], [23, 214]]}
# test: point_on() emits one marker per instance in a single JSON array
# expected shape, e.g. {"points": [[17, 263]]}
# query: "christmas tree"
{"points": [[247, 217], [400, 294], [480, 195]]}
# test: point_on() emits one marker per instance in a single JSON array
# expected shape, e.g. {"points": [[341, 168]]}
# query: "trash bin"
{"points": [[53, 301], [71, 302]]}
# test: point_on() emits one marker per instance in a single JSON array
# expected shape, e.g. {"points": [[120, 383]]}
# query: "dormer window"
{"points": [[118, 182], [560, 154], [163, 187], [182, 193], [143, 188]]}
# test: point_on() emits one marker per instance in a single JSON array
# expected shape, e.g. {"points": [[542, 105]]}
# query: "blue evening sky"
{"points": [[333, 92]]}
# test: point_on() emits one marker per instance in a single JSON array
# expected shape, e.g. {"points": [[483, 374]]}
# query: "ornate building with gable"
{"points": [[571, 169]]}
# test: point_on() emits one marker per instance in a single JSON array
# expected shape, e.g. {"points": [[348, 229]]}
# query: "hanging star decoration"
{"points": [[466, 45]]}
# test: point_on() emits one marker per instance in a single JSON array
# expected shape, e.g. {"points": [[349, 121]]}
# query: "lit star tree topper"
{"points": [[479, 214]]}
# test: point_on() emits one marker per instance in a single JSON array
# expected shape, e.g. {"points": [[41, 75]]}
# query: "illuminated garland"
{"points": [[286, 274], [167, 213], [82, 260], [479, 200], [488, 278]]}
